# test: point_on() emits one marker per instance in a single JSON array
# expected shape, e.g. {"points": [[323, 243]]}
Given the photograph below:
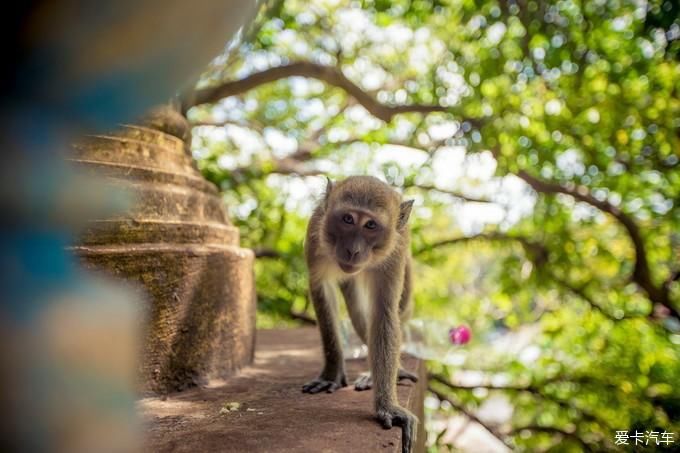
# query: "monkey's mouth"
{"points": [[348, 268]]}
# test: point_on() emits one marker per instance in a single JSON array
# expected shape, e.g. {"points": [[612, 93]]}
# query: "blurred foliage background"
{"points": [[540, 140]]}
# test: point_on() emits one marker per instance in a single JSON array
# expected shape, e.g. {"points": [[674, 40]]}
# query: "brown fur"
{"points": [[358, 239]]}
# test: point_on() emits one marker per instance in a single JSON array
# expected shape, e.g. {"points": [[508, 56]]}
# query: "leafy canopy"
{"points": [[540, 142]]}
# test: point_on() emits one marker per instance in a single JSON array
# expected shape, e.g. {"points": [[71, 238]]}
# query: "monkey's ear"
{"points": [[329, 188], [404, 213]]}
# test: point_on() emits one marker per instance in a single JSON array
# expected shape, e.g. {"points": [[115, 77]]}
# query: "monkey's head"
{"points": [[363, 219]]}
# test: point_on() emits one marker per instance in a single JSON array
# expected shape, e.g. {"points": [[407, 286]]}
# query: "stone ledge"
{"points": [[140, 231], [133, 173], [280, 418]]}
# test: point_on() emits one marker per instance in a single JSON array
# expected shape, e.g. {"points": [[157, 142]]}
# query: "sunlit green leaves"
{"points": [[579, 94]]}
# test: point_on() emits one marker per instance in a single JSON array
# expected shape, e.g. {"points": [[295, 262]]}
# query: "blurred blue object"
{"points": [[79, 67]]}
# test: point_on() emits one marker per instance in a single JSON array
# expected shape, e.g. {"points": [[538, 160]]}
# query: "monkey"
{"points": [[358, 242]]}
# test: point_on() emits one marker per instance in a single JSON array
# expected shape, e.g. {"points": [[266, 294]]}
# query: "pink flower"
{"points": [[460, 335]]}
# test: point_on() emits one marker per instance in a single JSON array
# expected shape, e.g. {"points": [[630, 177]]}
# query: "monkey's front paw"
{"points": [[321, 384], [398, 416]]}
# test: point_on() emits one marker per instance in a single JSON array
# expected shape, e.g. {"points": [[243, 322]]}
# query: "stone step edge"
{"points": [[133, 152], [197, 180], [135, 229], [135, 221], [189, 248], [162, 135], [134, 141]]}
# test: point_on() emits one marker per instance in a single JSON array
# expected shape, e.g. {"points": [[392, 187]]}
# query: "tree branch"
{"points": [[503, 438], [533, 389], [442, 380], [641, 272], [283, 166], [537, 253], [483, 236], [552, 430], [292, 164], [460, 408], [453, 193], [329, 74], [673, 277], [266, 253], [304, 317], [585, 297], [241, 124]]}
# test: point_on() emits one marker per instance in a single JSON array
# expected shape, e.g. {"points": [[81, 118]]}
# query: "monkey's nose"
{"points": [[351, 254]]}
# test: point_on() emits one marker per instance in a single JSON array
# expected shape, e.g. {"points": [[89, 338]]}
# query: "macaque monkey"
{"points": [[358, 240]]}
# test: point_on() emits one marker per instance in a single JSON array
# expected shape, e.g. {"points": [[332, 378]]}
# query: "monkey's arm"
{"points": [[333, 374], [356, 307], [385, 339]]}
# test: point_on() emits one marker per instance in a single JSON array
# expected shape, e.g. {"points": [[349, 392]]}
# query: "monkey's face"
{"points": [[356, 235]]}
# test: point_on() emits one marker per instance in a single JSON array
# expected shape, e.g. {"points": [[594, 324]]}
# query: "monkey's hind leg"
{"points": [[353, 292], [365, 382]]}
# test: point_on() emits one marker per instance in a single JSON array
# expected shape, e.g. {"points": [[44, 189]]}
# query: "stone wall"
{"points": [[177, 242]]}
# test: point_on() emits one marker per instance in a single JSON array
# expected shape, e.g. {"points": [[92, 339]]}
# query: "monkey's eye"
{"points": [[348, 219], [371, 225]]}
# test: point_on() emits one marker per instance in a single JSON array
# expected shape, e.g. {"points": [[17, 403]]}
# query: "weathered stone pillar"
{"points": [[178, 243]]}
